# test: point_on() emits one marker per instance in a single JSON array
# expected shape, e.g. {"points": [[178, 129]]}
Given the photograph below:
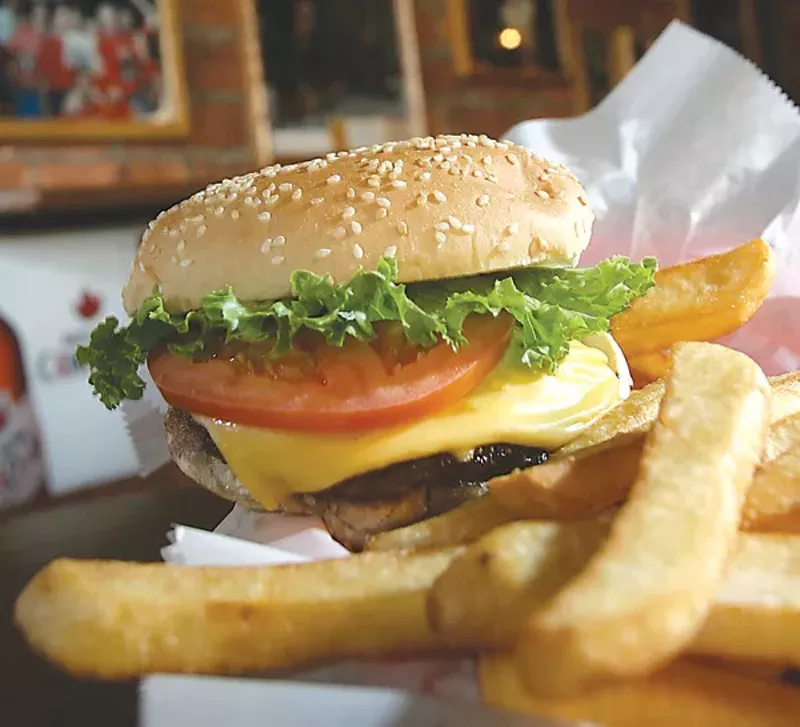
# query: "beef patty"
{"points": [[373, 502]]}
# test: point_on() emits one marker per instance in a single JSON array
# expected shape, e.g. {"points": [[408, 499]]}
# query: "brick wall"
{"points": [[480, 103], [223, 139]]}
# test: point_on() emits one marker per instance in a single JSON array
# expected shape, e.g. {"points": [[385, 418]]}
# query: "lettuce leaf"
{"points": [[551, 307]]}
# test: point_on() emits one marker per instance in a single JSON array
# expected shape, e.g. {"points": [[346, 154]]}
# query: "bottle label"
{"points": [[22, 472]]}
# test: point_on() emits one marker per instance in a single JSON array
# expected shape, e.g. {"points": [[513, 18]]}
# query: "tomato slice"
{"points": [[321, 388]]}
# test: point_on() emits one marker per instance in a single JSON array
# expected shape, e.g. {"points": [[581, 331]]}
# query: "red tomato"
{"points": [[326, 389]]}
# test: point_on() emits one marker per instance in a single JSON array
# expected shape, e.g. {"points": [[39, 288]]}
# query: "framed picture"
{"points": [[91, 69], [490, 37], [339, 74]]}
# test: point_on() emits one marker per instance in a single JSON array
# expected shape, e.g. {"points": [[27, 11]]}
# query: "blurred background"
{"points": [[111, 110]]}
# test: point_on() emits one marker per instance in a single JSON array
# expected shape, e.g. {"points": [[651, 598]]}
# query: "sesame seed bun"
{"points": [[445, 207]]}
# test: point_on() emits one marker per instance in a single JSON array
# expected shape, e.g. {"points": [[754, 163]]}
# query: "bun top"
{"points": [[445, 206]]}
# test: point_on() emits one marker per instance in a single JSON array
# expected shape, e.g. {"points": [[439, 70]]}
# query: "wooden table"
{"points": [[126, 520]]}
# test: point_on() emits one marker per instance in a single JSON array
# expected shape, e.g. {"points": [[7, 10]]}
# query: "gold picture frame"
{"points": [[169, 119]]}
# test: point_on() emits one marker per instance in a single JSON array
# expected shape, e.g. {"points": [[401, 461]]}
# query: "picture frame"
{"points": [[359, 81], [91, 70]]}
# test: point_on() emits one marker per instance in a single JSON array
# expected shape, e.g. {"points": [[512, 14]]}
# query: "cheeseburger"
{"points": [[372, 336]]}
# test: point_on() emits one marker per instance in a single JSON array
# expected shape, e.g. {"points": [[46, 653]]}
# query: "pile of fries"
{"points": [[649, 573]]}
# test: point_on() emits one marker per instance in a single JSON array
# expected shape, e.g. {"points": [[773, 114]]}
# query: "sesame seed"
{"points": [[551, 170], [285, 186], [141, 266], [235, 215], [351, 193], [266, 245], [444, 166], [185, 263], [511, 159], [541, 193], [468, 228], [383, 202], [477, 173], [512, 229], [390, 251], [381, 213], [219, 211], [425, 176], [348, 212], [483, 200], [399, 184], [358, 251], [279, 240], [368, 196], [277, 260], [487, 159], [322, 252], [438, 158], [582, 200], [356, 227], [297, 194], [491, 178], [334, 178], [422, 198], [317, 200], [374, 182], [442, 226], [174, 259], [196, 218], [271, 200], [455, 223], [439, 196], [181, 244], [441, 238], [338, 232], [201, 230], [402, 227], [249, 201]]}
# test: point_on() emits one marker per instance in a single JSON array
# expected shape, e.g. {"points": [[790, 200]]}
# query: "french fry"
{"points": [[572, 487], [684, 693], [701, 300], [631, 418], [115, 620], [597, 477], [773, 502], [486, 595], [645, 593], [756, 613], [464, 524], [648, 367]]}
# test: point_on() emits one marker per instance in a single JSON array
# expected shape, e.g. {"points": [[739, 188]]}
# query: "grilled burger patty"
{"points": [[383, 499]]}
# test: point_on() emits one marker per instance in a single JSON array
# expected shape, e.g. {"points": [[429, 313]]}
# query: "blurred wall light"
{"points": [[510, 38]]}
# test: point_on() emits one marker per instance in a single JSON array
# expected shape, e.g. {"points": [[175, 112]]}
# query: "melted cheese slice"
{"points": [[511, 406]]}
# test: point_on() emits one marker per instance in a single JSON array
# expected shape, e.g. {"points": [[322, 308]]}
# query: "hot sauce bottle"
{"points": [[22, 470]]}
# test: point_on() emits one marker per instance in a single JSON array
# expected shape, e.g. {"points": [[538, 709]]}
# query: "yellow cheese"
{"points": [[511, 406]]}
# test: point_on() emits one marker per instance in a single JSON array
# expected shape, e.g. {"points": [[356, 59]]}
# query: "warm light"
{"points": [[510, 38]]}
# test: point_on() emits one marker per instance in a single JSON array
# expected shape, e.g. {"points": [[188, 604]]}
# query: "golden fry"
{"points": [[486, 596], [648, 367], [756, 614], [684, 693], [601, 474], [630, 418], [115, 620], [464, 524], [773, 501], [700, 300], [645, 593], [572, 487]]}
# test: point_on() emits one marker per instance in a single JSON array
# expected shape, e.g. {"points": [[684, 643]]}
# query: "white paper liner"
{"points": [[695, 152]]}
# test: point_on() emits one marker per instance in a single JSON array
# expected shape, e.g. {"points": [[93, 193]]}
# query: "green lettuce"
{"points": [[550, 306]]}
